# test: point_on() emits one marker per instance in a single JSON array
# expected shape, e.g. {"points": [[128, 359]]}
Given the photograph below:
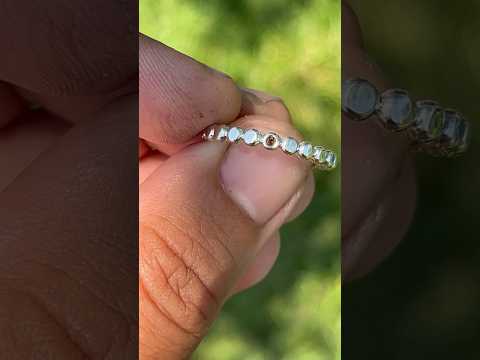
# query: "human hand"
{"points": [[378, 179], [68, 241], [209, 214]]}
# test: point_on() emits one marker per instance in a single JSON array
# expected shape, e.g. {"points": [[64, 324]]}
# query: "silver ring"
{"points": [[432, 129], [318, 156]]}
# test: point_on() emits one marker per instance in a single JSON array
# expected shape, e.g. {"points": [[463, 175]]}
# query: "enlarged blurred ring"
{"points": [[320, 157], [433, 129]]}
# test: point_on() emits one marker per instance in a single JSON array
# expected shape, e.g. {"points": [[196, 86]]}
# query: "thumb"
{"points": [[200, 228]]}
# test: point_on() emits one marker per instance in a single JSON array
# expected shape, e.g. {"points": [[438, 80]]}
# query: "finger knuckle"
{"points": [[171, 280]]}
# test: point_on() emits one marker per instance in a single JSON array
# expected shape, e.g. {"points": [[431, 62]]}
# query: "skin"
{"points": [[69, 265]]}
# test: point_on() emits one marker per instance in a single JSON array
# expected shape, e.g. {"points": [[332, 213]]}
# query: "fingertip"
{"points": [[261, 265], [261, 182], [179, 96], [229, 98]]}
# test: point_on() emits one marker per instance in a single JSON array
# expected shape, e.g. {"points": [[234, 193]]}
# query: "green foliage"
{"points": [[290, 49]]}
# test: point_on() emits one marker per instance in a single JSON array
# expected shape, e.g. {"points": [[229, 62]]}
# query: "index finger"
{"points": [[179, 96]]}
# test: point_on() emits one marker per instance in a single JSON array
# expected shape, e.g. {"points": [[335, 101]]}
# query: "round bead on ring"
{"points": [[318, 156], [432, 129]]}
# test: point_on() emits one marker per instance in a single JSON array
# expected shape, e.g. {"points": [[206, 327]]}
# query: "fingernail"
{"points": [[249, 102], [252, 95], [259, 181]]}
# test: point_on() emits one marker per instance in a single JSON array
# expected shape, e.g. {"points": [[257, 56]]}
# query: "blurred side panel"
{"points": [[68, 179], [409, 219]]}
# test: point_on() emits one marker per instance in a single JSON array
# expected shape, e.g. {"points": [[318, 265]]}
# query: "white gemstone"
{"points": [[452, 121], [395, 109], [318, 153], [359, 98], [331, 159], [211, 134], [234, 134], [428, 122], [290, 145], [305, 150], [271, 141], [250, 137], [222, 133]]}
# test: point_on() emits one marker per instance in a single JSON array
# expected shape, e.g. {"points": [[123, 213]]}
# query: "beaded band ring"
{"points": [[432, 129], [319, 157]]}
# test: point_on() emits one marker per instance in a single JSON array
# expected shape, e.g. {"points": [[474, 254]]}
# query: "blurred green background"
{"points": [[291, 49], [423, 302]]}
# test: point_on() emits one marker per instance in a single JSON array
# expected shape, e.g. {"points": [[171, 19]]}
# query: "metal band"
{"points": [[320, 157], [432, 129]]}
